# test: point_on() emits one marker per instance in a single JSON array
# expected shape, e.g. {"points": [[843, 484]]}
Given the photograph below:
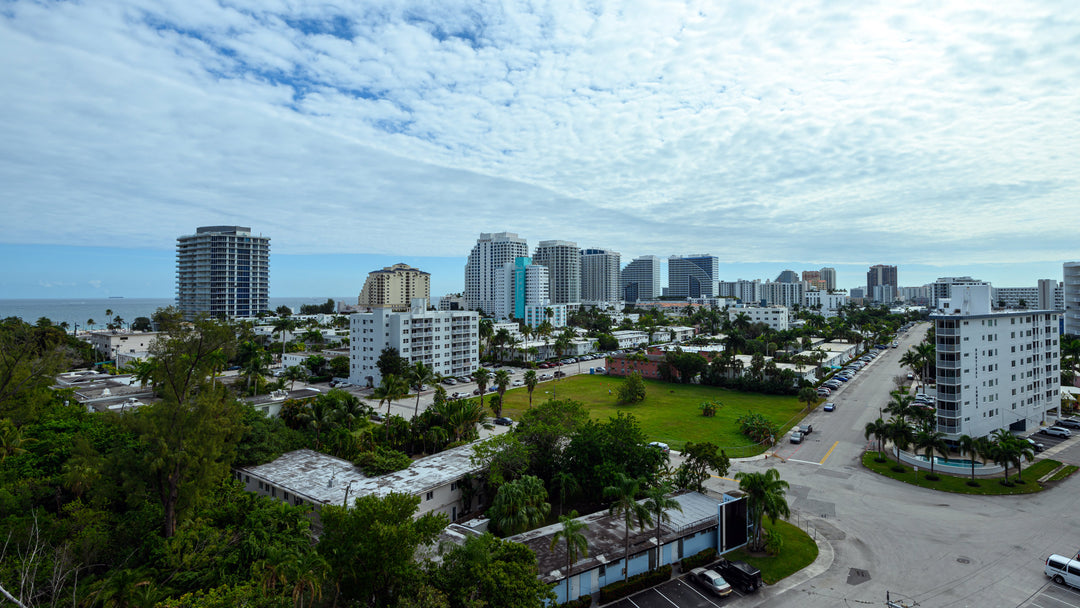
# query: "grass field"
{"points": [[798, 552], [671, 413], [948, 483]]}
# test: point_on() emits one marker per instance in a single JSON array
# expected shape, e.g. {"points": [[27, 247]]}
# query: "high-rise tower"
{"points": [[484, 268], [222, 271], [563, 260]]}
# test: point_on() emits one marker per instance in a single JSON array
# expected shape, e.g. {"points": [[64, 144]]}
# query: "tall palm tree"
{"points": [[283, 326], [900, 406], [928, 358], [931, 442], [658, 502], [969, 445], [566, 484], [764, 496], [575, 542], [419, 375], [502, 382], [623, 505], [530, 383], [482, 375], [294, 373], [391, 388], [1002, 451], [879, 430]]}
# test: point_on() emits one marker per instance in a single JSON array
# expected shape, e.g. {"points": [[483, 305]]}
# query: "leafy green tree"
{"points": [[632, 389], [294, 373], [316, 364], [519, 505], [370, 547], [339, 366], [698, 460], [188, 437], [599, 452], [392, 363], [808, 395], [624, 505], [488, 571], [764, 497], [30, 358], [546, 429], [709, 408], [574, 543], [141, 324]]}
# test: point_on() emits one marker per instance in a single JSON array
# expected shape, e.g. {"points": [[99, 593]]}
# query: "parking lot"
{"points": [[678, 592], [1053, 595]]}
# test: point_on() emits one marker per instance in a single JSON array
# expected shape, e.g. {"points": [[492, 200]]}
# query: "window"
{"points": [[429, 496]]}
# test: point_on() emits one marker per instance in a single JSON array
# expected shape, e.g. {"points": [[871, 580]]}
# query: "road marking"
{"points": [[666, 598], [803, 461], [694, 589], [827, 454]]}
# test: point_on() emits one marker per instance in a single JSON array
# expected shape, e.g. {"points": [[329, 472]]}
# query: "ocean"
{"points": [[80, 311]]}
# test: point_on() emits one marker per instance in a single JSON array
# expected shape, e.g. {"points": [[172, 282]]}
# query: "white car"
{"points": [[1057, 431]]}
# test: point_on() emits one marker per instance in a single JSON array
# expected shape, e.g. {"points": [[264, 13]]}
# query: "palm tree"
{"points": [[623, 505], [307, 572], [931, 442], [659, 503], [900, 406], [1002, 452], [879, 429], [390, 388], [419, 375], [294, 373], [969, 445], [283, 326], [576, 543], [899, 433], [928, 357], [530, 383], [482, 376], [502, 382], [764, 496]]}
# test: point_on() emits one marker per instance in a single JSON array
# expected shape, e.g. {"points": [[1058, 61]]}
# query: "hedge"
{"points": [[634, 584], [698, 560], [582, 602]]}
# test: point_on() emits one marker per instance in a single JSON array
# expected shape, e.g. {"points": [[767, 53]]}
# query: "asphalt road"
{"points": [[927, 548]]}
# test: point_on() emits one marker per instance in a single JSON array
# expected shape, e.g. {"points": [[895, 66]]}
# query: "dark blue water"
{"points": [[81, 310]]}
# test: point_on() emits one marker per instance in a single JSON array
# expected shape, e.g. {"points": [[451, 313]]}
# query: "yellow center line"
{"points": [[836, 443]]}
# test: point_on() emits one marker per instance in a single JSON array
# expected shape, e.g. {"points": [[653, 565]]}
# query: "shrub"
{"points": [[632, 389], [697, 560], [382, 461], [582, 602], [757, 427], [634, 584]]}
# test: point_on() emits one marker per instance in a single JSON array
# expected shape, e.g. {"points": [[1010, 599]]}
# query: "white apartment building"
{"points": [[113, 343], [394, 287], [1015, 298], [1051, 295], [535, 314], [693, 276], [824, 303], [748, 292], [776, 293], [640, 280], [222, 271], [828, 276], [942, 288], [776, 317], [447, 342], [563, 260], [630, 338], [600, 276], [521, 284], [1071, 297], [485, 264], [995, 369]]}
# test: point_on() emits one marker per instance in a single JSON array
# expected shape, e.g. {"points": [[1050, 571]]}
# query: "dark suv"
{"points": [[1068, 423], [739, 574]]}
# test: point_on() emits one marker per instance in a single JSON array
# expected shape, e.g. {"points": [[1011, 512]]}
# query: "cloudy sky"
{"points": [[944, 139]]}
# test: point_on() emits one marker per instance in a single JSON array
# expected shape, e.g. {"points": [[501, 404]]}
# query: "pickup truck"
{"points": [[739, 574]]}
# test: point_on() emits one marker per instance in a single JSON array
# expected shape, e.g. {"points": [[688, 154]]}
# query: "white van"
{"points": [[1063, 570]]}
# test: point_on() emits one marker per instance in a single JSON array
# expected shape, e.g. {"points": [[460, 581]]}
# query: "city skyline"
{"points": [[936, 138]]}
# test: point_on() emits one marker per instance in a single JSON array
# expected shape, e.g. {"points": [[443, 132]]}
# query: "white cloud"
{"points": [[806, 130]]}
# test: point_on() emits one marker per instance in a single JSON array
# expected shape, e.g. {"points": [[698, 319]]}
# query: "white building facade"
{"points": [[1071, 297], [484, 267], [995, 369], [446, 341], [222, 271], [563, 260], [521, 284], [825, 303], [640, 280], [776, 317], [693, 276], [600, 276]]}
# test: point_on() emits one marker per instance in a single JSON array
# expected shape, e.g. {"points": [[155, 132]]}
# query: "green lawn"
{"points": [[959, 485], [798, 552], [670, 412]]}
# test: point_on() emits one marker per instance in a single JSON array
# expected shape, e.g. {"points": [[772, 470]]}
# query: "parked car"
{"points": [[377, 417], [663, 447], [740, 574], [1068, 423], [449, 382], [1056, 431], [823, 392], [806, 429], [1035, 445], [829, 407], [504, 421], [796, 437], [711, 581], [559, 374]]}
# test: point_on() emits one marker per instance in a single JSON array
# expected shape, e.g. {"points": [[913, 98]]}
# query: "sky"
{"points": [[942, 137]]}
